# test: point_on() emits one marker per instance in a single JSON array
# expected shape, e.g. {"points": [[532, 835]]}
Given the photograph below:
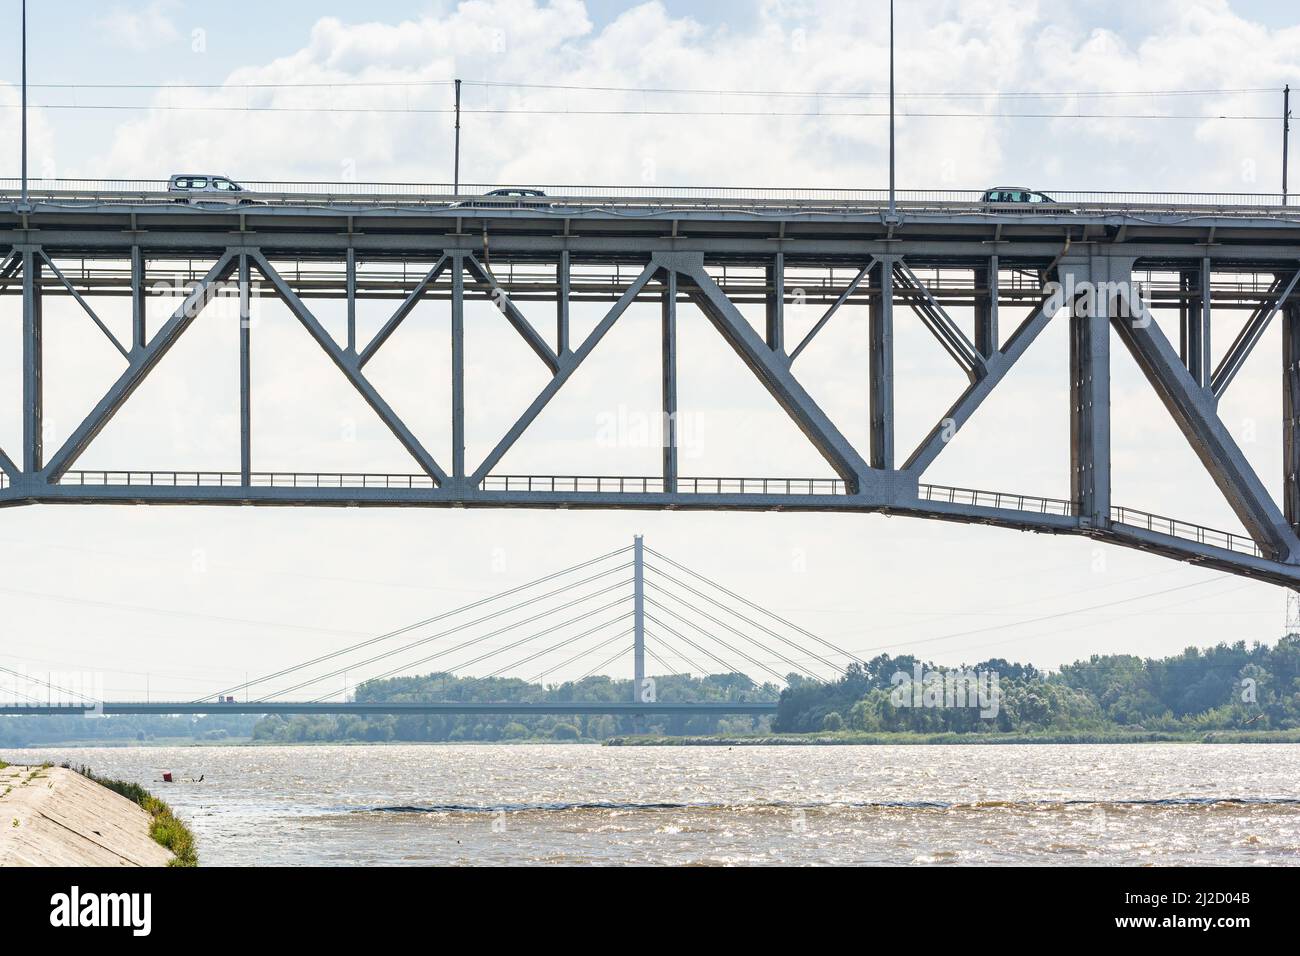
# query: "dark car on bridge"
{"points": [[511, 198], [1014, 194]]}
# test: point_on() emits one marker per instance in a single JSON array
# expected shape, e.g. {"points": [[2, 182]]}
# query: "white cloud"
{"points": [[815, 45], [140, 28]]}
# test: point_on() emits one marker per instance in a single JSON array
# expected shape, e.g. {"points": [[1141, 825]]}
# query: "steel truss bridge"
{"points": [[717, 250]]}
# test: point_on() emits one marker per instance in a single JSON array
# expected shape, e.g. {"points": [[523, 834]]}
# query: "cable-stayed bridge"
{"points": [[1103, 263], [633, 607]]}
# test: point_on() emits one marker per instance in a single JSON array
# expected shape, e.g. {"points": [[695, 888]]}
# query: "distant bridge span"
{"points": [[1117, 255]]}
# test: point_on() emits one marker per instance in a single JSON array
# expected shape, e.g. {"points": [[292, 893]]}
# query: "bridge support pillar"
{"points": [[457, 366], [986, 308], [1194, 322], [638, 620], [33, 364], [1092, 304], [1291, 414], [880, 373], [669, 379], [563, 274], [245, 374], [139, 331], [776, 304]]}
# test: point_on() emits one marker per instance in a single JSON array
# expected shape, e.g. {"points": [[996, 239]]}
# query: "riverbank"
{"points": [[851, 738], [58, 816]]}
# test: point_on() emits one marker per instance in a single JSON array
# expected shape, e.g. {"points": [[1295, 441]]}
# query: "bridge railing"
{"points": [[232, 479], [615, 484], [652, 197], [1006, 500], [1133, 518]]}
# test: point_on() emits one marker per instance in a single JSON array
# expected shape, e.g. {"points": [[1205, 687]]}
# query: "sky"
{"points": [[182, 600]]}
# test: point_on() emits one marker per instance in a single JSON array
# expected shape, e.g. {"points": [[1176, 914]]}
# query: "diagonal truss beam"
{"points": [[349, 365], [1192, 408], [141, 364], [1250, 335], [8, 466], [835, 307], [945, 330], [567, 365], [772, 370], [996, 369], [516, 318], [85, 306], [9, 268], [397, 317]]}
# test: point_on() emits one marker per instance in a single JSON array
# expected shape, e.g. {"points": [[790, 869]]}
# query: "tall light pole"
{"points": [[892, 207], [24, 110], [456, 161], [1286, 137]]}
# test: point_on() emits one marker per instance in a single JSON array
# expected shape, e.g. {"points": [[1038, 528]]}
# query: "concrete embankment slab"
{"points": [[55, 817]]}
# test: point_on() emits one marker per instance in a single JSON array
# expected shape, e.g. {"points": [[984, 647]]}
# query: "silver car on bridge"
{"points": [[202, 188]]}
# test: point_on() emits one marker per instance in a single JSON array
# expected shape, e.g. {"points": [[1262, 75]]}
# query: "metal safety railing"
{"points": [[1146, 521], [616, 484], [233, 479], [562, 198], [1006, 500], [643, 485]]}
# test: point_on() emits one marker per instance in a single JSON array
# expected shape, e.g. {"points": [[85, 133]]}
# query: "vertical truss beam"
{"points": [[668, 328], [1090, 317], [458, 367], [563, 276], [351, 291], [775, 305], [986, 308], [139, 313], [880, 370], [1291, 415], [772, 370], [245, 373], [1193, 409], [33, 364], [1194, 322]]}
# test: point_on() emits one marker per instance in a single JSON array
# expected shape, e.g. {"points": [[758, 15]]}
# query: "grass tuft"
{"points": [[167, 829]]}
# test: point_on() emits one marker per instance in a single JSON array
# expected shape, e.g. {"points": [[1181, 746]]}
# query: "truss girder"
{"points": [[884, 275], [1193, 409]]}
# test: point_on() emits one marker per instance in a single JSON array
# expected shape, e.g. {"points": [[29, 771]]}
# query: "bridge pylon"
{"points": [[638, 620]]}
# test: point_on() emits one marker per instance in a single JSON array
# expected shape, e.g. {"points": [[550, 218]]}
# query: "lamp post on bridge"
{"points": [[25, 206]]}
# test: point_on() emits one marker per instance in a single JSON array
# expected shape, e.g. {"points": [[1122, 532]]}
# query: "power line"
{"points": [[750, 114], [662, 90]]}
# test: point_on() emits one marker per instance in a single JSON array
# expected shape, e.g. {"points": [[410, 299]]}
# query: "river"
{"points": [[579, 804]]}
